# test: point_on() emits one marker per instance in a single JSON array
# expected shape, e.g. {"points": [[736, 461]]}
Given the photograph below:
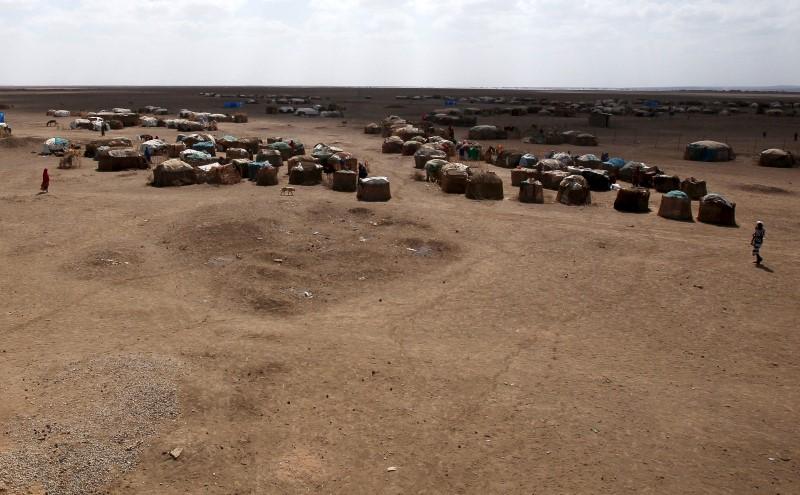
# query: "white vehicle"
{"points": [[307, 112], [285, 109]]}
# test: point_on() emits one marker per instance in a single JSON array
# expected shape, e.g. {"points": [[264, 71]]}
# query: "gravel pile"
{"points": [[89, 423]]}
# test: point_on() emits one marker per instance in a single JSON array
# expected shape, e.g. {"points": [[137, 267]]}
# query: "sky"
{"points": [[417, 43]]}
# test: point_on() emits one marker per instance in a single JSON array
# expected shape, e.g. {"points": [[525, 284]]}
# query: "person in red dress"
{"points": [[45, 181]]}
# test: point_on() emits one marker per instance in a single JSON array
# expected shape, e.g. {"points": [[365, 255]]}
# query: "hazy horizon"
{"points": [[469, 44]]}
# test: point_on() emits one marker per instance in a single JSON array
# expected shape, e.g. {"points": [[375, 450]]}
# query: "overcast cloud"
{"points": [[467, 43]]}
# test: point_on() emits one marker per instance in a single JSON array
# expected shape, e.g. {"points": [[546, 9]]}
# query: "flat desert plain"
{"points": [[430, 344]]}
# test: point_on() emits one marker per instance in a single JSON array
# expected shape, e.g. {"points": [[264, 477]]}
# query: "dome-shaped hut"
{"points": [[374, 189], [708, 151], [675, 205], [716, 209], [484, 185], [774, 157], [392, 144], [633, 200], [574, 190]]}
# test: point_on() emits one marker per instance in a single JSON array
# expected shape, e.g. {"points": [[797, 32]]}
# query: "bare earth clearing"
{"points": [[514, 348]]}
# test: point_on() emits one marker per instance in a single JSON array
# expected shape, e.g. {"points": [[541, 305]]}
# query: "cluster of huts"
{"points": [[258, 161], [521, 105], [200, 158], [149, 116], [574, 177]]}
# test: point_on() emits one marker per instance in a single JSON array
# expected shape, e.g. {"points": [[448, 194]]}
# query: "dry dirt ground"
{"points": [[476, 347]]}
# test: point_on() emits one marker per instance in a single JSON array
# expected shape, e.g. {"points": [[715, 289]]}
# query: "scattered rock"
{"points": [[176, 452], [391, 469]]}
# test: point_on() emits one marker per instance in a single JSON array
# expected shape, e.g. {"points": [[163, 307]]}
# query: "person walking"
{"points": [[757, 241], [147, 154], [45, 181]]}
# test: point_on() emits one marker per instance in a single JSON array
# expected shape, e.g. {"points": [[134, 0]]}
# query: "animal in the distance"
{"points": [[287, 191], [145, 137], [52, 123]]}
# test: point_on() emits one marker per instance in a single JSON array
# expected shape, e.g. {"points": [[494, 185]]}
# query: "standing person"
{"points": [[451, 133], [757, 241], [147, 154], [102, 128], [635, 176], [45, 181], [795, 135], [462, 149], [362, 171]]}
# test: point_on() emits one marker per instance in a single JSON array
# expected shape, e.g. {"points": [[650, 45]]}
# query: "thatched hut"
{"points": [[613, 166], [518, 175], [633, 200], [373, 189], [508, 158], [343, 161], [273, 157], [433, 169], [224, 175], [287, 149], [267, 176], [487, 132], [665, 183], [716, 209], [549, 164], [322, 152], [406, 133], [197, 158], [174, 150], [345, 181], [675, 205], [708, 151], [307, 173], [484, 185], [531, 191], [694, 188], [453, 178], [774, 157], [565, 158], [585, 139], [626, 172], [116, 142], [425, 153], [173, 173], [588, 161], [392, 144], [121, 159], [598, 180], [574, 190], [411, 147], [528, 160], [552, 179], [154, 147]]}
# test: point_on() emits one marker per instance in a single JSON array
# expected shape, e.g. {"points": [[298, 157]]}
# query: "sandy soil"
{"points": [[476, 347]]}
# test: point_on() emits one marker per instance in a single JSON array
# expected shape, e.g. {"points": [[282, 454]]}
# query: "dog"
{"points": [[51, 123], [287, 191]]}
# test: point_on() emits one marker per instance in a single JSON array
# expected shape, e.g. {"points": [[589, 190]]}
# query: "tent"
{"points": [[156, 146], [708, 151], [55, 145]]}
